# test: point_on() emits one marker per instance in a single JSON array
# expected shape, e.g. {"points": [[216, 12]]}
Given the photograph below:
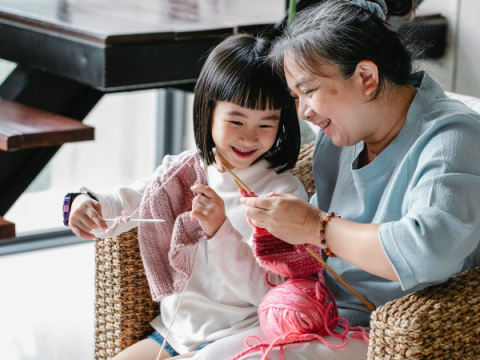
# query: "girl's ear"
{"points": [[366, 74]]}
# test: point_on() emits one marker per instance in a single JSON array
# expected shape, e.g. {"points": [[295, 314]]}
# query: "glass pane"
{"points": [[123, 151], [6, 67]]}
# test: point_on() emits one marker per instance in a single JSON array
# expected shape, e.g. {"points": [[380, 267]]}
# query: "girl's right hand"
{"points": [[86, 215]]}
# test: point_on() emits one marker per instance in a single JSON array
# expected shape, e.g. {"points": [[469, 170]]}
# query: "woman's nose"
{"points": [[305, 111]]}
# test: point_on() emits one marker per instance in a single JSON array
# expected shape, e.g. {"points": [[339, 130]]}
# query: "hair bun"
{"points": [[399, 7]]}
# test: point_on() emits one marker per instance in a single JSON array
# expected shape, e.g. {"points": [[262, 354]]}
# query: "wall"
{"points": [[458, 70]]}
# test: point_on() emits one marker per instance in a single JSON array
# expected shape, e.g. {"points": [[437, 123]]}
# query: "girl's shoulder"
{"points": [[284, 182], [169, 160]]}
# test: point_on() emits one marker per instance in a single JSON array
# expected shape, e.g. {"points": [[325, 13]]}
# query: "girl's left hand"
{"points": [[208, 209]]}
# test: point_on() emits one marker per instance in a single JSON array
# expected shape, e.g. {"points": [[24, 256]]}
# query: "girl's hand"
{"points": [[287, 217], [208, 209], [86, 215]]}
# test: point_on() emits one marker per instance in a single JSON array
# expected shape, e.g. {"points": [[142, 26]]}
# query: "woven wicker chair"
{"points": [[439, 322]]}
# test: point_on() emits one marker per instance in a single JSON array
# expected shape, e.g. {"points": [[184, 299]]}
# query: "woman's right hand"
{"points": [[85, 216], [285, 216]]}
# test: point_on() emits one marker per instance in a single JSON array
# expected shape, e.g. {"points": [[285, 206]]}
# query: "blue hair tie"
{"points": [[378, 8]]}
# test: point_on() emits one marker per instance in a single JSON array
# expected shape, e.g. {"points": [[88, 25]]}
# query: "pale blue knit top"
{"points": [[423, 190]]}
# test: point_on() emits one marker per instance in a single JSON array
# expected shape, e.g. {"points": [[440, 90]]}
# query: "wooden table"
{"points": [[71, 52]]}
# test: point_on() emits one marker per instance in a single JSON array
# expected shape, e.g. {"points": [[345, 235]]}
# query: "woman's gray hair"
{"points": [[339, 33]]}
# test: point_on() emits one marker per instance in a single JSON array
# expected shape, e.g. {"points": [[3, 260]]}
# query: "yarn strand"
{"points": [[178, 306], [125, 217]]}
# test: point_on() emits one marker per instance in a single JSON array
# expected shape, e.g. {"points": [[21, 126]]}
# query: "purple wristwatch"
{"points": [[67, 204]]}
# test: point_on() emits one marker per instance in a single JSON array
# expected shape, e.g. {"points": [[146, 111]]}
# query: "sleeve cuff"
{"points": [[221, 235], [395, 256]]}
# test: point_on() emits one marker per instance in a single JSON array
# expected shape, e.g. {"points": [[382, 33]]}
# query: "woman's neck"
{"points": [[393, 116]]}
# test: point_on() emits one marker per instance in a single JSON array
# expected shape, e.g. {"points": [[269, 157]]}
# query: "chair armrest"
{"points": [[123, 303], [438, 322]]}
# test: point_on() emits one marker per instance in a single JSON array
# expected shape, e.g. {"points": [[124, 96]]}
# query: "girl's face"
{"points": [[338, 106], [242, 135]]}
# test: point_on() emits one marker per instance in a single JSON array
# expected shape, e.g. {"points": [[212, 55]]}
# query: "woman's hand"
{"points": [[86, 215], [208, 209], [287, 217]]}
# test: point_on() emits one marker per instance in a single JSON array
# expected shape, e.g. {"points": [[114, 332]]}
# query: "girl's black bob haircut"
{"points": [[237, 71]]}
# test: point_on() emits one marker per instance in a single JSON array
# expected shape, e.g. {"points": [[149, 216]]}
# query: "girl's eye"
{"points": [[265, 126], [236, 122]]}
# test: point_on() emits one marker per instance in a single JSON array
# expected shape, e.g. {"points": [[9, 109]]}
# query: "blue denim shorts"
{"points": [[159, 339]]}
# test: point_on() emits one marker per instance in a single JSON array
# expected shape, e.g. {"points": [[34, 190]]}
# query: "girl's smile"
{"points": [[242, 135]]}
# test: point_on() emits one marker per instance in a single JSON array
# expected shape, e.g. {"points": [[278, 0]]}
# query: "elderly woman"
{"points": [[395, 157]]}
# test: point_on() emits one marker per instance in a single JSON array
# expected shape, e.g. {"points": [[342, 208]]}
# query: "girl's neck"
{"points": [[394, 110]]}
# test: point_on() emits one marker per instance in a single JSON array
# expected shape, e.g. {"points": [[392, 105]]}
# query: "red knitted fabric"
{"points": [[281, 257], [165, 247]]}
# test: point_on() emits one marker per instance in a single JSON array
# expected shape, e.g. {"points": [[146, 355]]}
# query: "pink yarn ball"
{"points": [[300, 305]]}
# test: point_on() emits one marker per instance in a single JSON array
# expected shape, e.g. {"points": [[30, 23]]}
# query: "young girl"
{"points": [[244, 119]]}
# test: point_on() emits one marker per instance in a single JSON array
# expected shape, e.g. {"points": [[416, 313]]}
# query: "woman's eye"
{"points": [[265, 126], [307, 92], [236, 122]]}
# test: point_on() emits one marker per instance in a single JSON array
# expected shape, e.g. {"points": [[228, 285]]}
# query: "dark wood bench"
{"points": [[24, 127]]}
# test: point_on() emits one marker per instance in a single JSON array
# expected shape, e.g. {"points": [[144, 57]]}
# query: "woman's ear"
{"points": [[367, 74]]}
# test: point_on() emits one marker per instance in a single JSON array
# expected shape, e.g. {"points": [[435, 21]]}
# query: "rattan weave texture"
{"points": [[439, 322], [303, 169], [123, 304]]}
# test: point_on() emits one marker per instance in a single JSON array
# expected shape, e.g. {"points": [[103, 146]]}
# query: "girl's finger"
{"points": [[81, 234], [89, 222], [98, 216], [82, 226], [207, 191], [200, 208]]}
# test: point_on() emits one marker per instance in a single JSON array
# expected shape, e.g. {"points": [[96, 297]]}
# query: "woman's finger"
{"points": [[262, 202], [256, 214]]}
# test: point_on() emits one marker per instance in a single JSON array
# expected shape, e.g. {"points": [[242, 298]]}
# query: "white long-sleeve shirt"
{"points": [[224, 292]]}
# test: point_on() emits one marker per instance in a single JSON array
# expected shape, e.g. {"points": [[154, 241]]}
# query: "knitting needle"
{"points": [[140, 220], [368, 305], [239, 182]]}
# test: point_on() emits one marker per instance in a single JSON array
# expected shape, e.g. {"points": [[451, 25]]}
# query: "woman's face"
{"points": [[338, 106]]}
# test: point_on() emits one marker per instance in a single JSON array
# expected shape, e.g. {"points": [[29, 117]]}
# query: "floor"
{"points": [[47, 304]]}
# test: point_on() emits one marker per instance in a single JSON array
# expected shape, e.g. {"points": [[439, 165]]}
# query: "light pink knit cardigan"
{"points": [[165, 247]]}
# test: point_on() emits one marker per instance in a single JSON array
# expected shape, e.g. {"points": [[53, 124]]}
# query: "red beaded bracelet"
{"points": [[323, 239]]}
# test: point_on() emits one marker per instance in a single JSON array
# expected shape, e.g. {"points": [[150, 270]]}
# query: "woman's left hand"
{"points": [[208, 209], [287, 217]]}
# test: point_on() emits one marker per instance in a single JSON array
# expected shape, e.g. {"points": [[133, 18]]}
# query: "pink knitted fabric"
{"points": [[165, 247]]}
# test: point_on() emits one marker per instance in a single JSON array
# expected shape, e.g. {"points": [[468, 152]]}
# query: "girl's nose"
{"points": [[249, 136]]}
